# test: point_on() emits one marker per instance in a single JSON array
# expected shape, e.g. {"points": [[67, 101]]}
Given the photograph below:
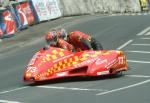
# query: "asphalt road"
{"points": [[128, 33]]}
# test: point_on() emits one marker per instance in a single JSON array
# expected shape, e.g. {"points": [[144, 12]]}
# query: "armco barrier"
{"points": [[20, 15], [53, 9], [34, 12], [40, 10], [43, 10], [7, 23], [28, 12], [20, 0], [2, 25], [16, 18], [1, 32]]}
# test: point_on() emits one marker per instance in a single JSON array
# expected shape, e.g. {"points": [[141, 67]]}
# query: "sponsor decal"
{"points": [[61, 74], [22, 15], [99, 61], [31, 69], [40, 9], [85, 62], [62, 58], [42, 75], [103, 73], [111, 63], [28, 12], [53, 9], [121, 60], [9, 23]]}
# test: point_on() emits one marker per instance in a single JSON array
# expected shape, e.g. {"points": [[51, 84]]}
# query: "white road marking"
{"points": [[138, 76], [148, 33], [66, 88], [145, 38], [144, 31], [13, 90], [125, 44], [6, 101], [146, 52], [141, 44], [134, 61], [123, 88]]}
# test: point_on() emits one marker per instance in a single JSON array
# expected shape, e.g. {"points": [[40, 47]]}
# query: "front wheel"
{"points": [[118, 74], [96, 45]]}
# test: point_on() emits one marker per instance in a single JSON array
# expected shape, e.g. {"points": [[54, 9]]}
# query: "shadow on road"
{"points": [[73, 79]]}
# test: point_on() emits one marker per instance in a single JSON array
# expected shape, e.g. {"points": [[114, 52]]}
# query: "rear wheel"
{"points": [[120, 73], [117, 74], [96, 45]]}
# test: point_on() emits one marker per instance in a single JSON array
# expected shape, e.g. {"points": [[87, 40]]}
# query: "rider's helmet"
{"points": [[62, 33], [51, 37]]}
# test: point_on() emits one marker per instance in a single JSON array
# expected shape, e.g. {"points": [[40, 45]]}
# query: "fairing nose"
{"points": [[30, 73], [28, 77]]}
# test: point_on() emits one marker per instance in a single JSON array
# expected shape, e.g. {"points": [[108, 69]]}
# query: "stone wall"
{"points": [[77, 7]]}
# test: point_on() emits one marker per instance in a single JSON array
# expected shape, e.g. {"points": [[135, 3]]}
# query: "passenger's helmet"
{"points": [[51, 36], [62, 33]]}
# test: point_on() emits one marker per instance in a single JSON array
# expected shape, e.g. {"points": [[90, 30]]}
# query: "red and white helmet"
{"points": [[62, 33], [51, 36]]}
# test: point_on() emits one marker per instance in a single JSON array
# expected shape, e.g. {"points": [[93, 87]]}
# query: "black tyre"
{"points": [[96, 45]]}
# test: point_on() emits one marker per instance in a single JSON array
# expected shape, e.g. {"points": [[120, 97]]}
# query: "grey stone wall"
{"points": [[77, 7]]}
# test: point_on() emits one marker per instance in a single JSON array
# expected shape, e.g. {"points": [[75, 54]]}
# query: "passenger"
{"points": [[80, 40], [53, 40]]}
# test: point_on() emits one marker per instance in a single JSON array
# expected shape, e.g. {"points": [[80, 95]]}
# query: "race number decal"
{"points": [[31, 69], [121, 60]]}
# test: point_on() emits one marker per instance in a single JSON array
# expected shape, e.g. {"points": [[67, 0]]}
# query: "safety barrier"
{"points": [[45, 9], [7, 24], [20, 15], [28, 12], [25, 13]]}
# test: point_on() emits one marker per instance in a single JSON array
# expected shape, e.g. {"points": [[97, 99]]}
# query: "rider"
{"points": [[80, 40], [65, 45], [53, 40]]}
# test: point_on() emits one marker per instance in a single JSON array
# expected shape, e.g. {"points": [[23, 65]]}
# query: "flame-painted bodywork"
{"points": [[58, 63]]}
